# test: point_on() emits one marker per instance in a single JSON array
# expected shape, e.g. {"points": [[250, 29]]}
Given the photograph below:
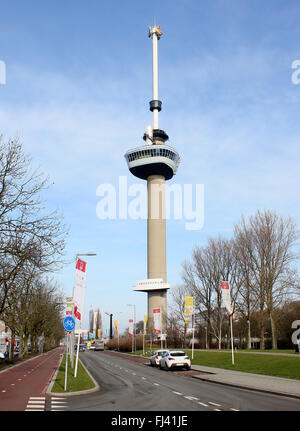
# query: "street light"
{"points": [[134, 333], [110, 324]]}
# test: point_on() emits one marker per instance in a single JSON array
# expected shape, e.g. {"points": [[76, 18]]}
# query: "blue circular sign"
{"points": [[69, 323]]}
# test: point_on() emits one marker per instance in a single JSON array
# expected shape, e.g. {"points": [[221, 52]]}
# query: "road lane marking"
{"points": [[214, 404], [3, 391], [57, 398], [188, 397], [156, 384], [36, 402], [37, 398], [144, 378], [235, 410], [35, 407], [203, 404], [133, 374], [217, 410], [177, 393]]}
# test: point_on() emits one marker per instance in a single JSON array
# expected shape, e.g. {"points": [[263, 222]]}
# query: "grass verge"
{"points": [[270, 365], [81, 383]]}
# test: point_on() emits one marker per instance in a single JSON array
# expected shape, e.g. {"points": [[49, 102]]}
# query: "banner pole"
{"points": [[77, 353], [231, 330], [193, 332]]}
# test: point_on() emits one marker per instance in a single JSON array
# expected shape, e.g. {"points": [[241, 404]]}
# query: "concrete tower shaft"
{"points": [[155, 162]]}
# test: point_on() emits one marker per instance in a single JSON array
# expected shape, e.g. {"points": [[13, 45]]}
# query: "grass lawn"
{"points": [[81, 383], [272, 365]]}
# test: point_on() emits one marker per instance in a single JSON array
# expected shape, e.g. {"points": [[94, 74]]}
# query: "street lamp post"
{"points": [[90, 253], [134, 327], [110, 324]]}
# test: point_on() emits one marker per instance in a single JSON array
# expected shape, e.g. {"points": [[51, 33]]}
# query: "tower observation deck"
{"points": [[155, 162]]}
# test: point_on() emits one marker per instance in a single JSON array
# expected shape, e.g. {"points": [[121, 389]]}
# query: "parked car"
{"points": [[175, 359], [155, 358]]}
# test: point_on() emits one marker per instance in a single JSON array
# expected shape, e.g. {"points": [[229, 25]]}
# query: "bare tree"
{"points": [[27, 233], [267, 241]]}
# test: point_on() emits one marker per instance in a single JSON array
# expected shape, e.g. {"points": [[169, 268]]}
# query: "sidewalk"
{"points": [[258, 382]]}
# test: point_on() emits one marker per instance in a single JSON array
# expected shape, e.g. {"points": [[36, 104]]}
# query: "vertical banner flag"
{"points": [[116, 326], [188, 308], [79, 287], [225, 288], [130, 327], [145, 323], [157, 320], [69, 305]]}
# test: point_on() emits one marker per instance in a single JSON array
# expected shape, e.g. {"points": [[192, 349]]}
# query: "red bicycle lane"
{"points": [[29, 379]]}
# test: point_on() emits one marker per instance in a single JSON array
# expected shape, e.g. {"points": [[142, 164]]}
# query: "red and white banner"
{"points": [[157, 320], [130, 327], [226, 297], [79, 288]]}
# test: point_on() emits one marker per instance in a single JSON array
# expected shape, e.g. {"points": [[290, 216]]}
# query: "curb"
{"points": [[248, 388], [68, 394]]}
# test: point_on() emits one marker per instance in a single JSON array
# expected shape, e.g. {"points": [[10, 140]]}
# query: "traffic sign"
{"points": [[69, 323]]}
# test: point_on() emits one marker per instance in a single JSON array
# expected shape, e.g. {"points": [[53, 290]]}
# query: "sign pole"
{"points": [[231, 330], [66, 367], [193, 342]]}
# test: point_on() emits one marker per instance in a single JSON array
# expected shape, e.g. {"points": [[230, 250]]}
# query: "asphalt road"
{"points": [[128, 384]]}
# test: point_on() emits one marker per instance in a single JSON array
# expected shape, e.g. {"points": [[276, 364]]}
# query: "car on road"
{"points": [[155, 358], [81, 347], [173, 359], [99, 344]]}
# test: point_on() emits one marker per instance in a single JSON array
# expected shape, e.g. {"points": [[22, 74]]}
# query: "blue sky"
{"points": [[77, 92]]}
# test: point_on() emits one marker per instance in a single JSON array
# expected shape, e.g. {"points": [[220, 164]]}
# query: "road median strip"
{"points": [[84, 383]]}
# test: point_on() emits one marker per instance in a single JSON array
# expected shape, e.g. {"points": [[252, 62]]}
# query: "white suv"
{"points": [[175, 359]]}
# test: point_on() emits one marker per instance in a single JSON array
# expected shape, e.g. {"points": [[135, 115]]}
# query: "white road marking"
{"points": [[3, 391], [217, 410], [156, 384], [19, 379], [36, 402], [35, 406], [235, 410], [144, 378], [203, 404], [133, 374], [177, 393], [37, 398], [191, 398], [214, 404], [57, 398]]}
